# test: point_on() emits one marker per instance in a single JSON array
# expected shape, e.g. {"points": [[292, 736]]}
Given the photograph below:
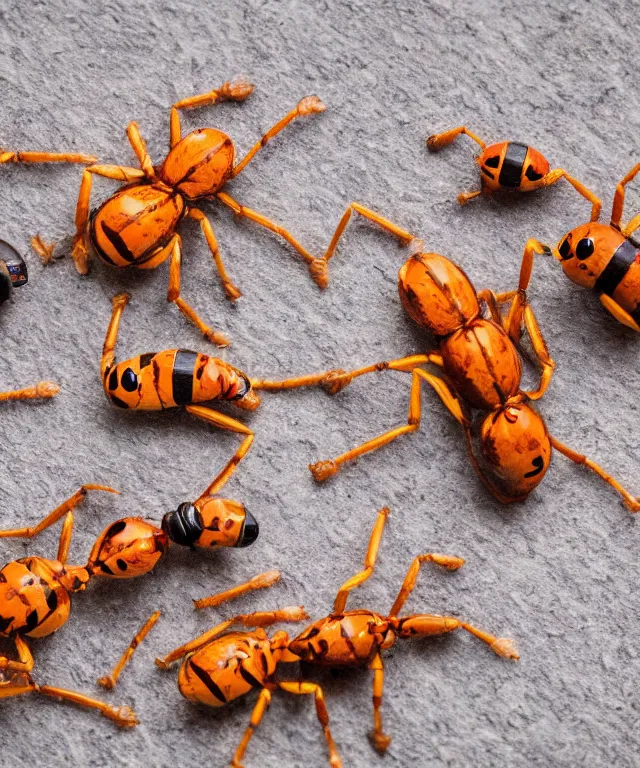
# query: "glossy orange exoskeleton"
{"points": [[137, 226], [480, 369], [221, 666], [174, 378], [35, 592], [509, 166], [606, 259]]}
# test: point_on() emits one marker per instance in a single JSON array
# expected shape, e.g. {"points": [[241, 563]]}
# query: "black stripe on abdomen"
{"points": [[208, 683], [511, 171], [182, 377], [117, 242], [617, 268]]}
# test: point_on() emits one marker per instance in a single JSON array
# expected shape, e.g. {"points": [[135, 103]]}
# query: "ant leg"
{"points": [[118, 303], [437, 141], [465, 197], [378, 737], [336, 380], [514, 321], [65, 538], [321, 268], [46, 157], [243, 211], [450, 562], [307, 106], [618, 198], [139, 146], [43, 390], [302, 688], [631, 226], [237, 89], [324, 469], [123, 716], [369, 562], [264, 699], [541, 352], [109, 681], [429, 625], [232, 291], [80, 252], [632, 503], [261, 581], [558, 173], [493, 301], [621, 315], [53, 517], [258, 619], [44, 250], [25, 659], [173, 295], [222, 421]]}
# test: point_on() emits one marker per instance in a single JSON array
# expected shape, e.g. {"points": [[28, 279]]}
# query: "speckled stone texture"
{"points": [[558, 573]]}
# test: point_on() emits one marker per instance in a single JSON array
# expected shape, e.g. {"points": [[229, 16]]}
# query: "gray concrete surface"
{"points": [[558, 573]]}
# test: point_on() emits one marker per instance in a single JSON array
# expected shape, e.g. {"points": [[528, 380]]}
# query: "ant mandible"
{"points": [[510, 166], [35, 593], [221, 666], [136, 227], [481, 370]]}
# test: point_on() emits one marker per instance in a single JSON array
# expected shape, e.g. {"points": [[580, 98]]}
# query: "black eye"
{"points": [[129, 381], [492, 162], [565, 249], [585, 248]]}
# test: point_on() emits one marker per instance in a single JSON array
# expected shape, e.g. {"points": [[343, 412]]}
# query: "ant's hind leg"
{"points": [[302, 688], [42, 390], [369, 563], [322, 470], [437, 141], [173, 295], [378, 737], [264, 699], [53, 517], [231, 290], [109, 681]]}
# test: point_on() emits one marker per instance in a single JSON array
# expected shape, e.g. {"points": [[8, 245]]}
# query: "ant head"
{"points": [[13, 270], [516, 447], [586, 250], [211, 522]]}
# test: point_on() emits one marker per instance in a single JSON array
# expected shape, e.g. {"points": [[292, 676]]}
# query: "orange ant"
{"points": [[480, 369], [35, 593], [221, 665], [137, 226], [510, 166]]}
